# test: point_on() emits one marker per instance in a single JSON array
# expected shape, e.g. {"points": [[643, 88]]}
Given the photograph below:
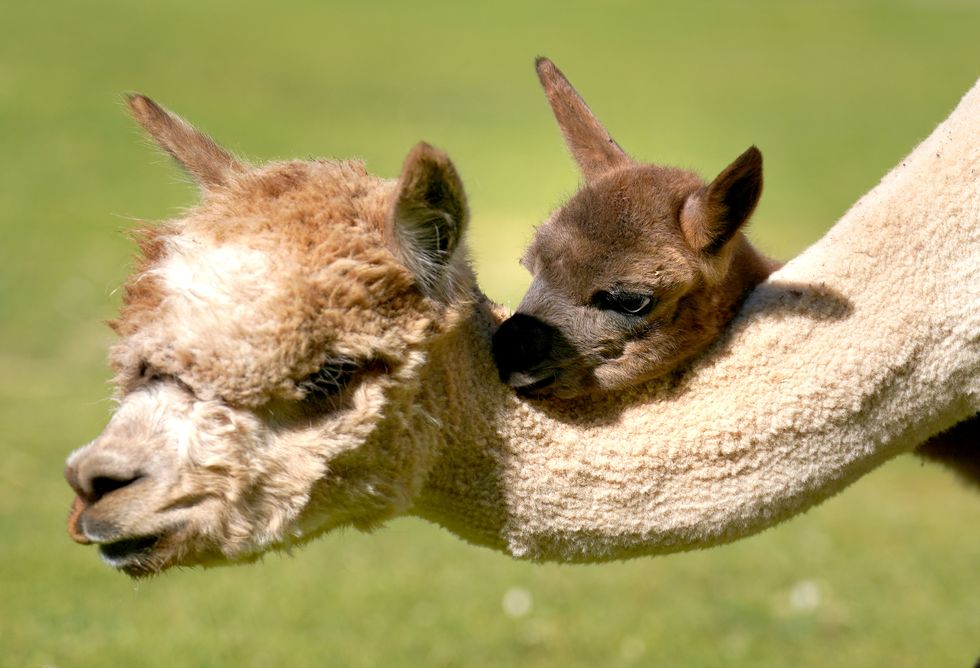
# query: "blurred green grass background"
{"points": [[834, 93]]}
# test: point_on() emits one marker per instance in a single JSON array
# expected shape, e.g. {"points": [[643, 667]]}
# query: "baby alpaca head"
{"points": [[636, 273]]}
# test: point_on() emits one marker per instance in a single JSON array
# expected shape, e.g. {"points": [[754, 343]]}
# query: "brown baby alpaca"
{"points": [[640, 270]]}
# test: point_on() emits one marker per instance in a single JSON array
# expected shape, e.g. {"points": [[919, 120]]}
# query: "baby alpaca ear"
{"points": [[713, 215], [593, 148], [429, 218], [208, 163]]}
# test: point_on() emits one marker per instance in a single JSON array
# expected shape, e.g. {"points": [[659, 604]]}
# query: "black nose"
{"points": [[98, 476], [521, 343]]}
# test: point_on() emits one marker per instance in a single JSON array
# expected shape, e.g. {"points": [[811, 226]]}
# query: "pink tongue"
{"points": [[77, 507]]}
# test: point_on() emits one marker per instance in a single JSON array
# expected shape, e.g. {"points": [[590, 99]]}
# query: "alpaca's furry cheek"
{"points": [[639, 361], [213, 435]]}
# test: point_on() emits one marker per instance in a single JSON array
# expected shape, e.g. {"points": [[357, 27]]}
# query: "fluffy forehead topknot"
{"points": [[301, 217], [272, 274], [308, 204]]}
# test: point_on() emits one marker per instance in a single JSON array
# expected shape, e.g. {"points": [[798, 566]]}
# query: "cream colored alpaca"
{"points": [[307, 349]]}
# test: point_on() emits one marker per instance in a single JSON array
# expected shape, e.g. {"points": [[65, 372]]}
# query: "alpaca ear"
{"points": [[590, 144], [198, 154], [713, 215], [429, 218]]}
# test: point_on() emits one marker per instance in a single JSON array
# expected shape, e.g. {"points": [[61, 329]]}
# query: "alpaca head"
{"points": [[632, 275], [265, 340]]}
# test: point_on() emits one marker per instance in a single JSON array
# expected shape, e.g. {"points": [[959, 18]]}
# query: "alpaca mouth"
{"points": [[123, 553], [128, 554], [539, 388]]}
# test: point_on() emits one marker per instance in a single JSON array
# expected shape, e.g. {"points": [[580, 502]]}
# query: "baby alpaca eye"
{"points": [[627, 303], [633, 304]]}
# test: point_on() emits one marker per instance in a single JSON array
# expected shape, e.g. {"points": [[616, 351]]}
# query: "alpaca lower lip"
{"points": [[120, 552], [538, 387]]}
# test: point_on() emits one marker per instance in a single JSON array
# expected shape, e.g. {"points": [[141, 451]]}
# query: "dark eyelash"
{"points": [[148, 374], [328, 380], [619, 302]]}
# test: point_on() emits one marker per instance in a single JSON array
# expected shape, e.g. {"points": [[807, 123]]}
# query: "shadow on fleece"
{"points": [[776, 300]]}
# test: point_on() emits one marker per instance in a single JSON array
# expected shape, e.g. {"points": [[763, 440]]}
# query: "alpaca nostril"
{"points": [[521, 343], [94, 473], [103, 485]]}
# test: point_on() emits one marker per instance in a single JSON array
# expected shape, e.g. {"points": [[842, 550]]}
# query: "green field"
{"points": [[835, 93]]}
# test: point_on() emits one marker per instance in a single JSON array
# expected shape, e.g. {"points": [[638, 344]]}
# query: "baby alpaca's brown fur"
{"points": [[640, 270], [643, 231]]}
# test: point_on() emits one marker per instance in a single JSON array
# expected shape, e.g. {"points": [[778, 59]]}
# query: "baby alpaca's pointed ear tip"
{"points": [[548, 72], [751, 157], [142, 106]]}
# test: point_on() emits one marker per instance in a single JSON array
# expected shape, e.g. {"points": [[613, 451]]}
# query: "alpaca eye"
{"points": [[147, 373], [329, 380], [627, 303], [633, 304]]}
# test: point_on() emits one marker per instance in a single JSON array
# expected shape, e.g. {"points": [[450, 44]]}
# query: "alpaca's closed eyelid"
{"points": [[147, 375], [331, 378]]}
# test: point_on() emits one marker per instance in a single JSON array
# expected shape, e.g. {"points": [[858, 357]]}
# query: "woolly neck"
{"points": [[858, 350]]}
